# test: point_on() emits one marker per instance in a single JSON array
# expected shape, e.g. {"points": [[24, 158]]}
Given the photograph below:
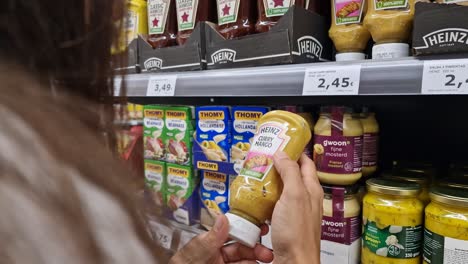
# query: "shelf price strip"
{"points": [[445, 77], [163, 234], [335, 80], [161, 86]]}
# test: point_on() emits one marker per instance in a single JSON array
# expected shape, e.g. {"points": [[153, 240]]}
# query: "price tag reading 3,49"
{"points": [[445, 77], [161, 85], [336, 80]]}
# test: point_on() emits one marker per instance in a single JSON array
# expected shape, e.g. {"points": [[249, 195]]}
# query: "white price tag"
{"points": [[163, 235], [117, 86], [335, 80], [445, 77], [163, 85]]}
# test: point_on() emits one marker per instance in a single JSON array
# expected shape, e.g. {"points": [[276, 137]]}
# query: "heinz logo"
{"points": [[153, 64], [310, 45], [178, 172], [223, 56], [245, 115], [175, 114], [445, 37], [154, 113], [217, 115]]}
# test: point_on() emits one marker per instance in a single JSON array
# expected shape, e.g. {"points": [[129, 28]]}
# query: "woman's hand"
{"points": [[297, 217], [208, 248]]}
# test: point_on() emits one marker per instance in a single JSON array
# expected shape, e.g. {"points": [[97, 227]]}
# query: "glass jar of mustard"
{"points": [[418, 177], [341, 224], [258, 186], [347, 31], [446, 232], [370, 150], [392, 223], [337, 153], [390, 24]]}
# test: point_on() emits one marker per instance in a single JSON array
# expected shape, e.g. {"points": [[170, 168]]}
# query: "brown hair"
{"points": [[63, 195]]}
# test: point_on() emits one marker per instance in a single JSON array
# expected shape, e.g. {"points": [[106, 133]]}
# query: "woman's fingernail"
{"points": [[219, 224]]}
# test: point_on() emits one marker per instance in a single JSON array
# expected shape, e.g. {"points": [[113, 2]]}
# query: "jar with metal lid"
{"points": [[456, 182], [446, 232], [392, 222], [418, 177], [341, 224], [338, 136]]}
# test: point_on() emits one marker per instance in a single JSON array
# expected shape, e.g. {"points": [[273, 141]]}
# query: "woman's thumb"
{"points": [[214, 239]]}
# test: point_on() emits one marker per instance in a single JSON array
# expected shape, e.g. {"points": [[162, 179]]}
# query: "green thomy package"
{"points": [[178, 134], [155, 180], [153, 136]]}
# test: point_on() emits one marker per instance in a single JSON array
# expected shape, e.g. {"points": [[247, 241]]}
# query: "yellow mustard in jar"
{"points": [[446, 232], [392, 223], [390, 23], [337, 154], [370, 150], [418, 177], [258, 186], [347, 32]]}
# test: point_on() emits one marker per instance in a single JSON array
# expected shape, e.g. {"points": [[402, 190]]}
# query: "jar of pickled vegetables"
{"points": [[418, 177], [392, 223], [446, 232]]}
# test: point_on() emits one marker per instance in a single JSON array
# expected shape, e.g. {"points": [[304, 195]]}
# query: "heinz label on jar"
{"points": [[270, 138], [390, 4], [277, 7], [186, 14], [227, 11], [157, 15]]}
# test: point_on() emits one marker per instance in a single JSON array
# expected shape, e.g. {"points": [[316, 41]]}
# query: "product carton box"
{"points": [[155, 181], [440, 29], [182, 194], [214, 131], [178, 134], [214, 192], [300, 36], [244, 126], [154, 125]]}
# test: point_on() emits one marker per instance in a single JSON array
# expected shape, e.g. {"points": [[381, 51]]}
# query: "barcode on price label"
{"points": [[336, 80], [163, 85], [445, 77], [162, 234]]}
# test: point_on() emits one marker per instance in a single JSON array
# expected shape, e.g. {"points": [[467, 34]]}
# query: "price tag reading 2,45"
{"points": [[335, 80], [163, 85], [445, 77]]}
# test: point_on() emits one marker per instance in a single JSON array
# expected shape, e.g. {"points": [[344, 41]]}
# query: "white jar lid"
{"points": [[243, 231], [390, 51], [350, 56]]}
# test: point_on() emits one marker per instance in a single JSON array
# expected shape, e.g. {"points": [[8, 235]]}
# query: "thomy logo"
{"points": [[223, 56]]}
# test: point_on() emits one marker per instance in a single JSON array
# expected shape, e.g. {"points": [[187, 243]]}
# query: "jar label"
{"points": [[270, 138], [154, 180], [370, 149], [227, 11], [390, 4], [338, 154], [342, 230], [348, 11], [186, 14], [400, 242], [444, 250], [275, 8], [157, 15]]}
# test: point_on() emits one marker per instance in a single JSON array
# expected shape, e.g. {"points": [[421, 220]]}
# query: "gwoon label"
{"points": [[153, 64]]}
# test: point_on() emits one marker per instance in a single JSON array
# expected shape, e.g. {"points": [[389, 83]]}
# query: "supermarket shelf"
{"points": [[128, 123]]}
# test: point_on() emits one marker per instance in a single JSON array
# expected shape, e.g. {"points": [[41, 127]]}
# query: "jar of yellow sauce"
{"points": [[390, 24], [347, 31], [258, 186], [446, 232], [338, 137], [135, 22], [392, 223], [418, 177], [370, 150]]}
